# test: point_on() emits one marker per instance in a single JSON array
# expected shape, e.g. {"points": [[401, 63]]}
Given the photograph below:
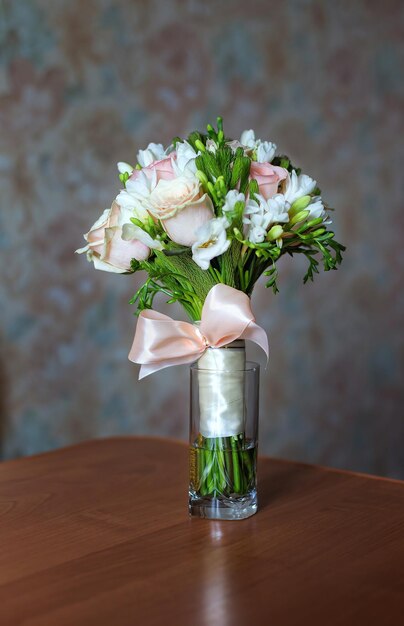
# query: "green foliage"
{"points": [[196, 136], [240, 172], [221, 171], [253, 188], [176, 276], [207, 163], [224, 159], [284, 161], [272, 273]]}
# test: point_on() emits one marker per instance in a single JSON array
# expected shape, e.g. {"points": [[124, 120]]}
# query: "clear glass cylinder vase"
{"points": [[224, 434]]}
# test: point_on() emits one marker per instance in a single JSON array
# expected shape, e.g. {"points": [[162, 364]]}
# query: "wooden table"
{"points": [[98, 534]]}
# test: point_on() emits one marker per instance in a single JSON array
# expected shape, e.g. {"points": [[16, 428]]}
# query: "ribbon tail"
{"points": [[255, 333], [150, 368]]}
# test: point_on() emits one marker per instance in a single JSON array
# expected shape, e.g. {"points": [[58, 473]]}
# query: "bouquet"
{"points": [[205, 218]]}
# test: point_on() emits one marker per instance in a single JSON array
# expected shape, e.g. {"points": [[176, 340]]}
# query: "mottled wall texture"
{"points": [[85, 84]]}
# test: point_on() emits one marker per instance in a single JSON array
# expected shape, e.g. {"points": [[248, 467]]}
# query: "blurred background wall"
{"points": [[85, 84]]}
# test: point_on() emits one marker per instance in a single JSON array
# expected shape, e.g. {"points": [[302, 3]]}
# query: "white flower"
{"points": [[316, 208], [232, 197], [264, 150], [130, 232], [184, 164], [257, 219], [131, 199], [297, 186], [278, 208], [257, 227], [153, 152], [124, 168], [234, 144], [247, 138], [211, 241], [261, 214], [211, 145]]}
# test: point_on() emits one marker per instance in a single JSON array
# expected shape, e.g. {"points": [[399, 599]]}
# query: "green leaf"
{"points": [[240, 173], [253, 188]]}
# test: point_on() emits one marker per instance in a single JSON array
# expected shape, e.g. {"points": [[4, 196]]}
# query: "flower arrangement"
{"points": [[205, 218]]}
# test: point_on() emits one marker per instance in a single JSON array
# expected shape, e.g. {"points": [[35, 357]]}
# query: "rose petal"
{"points": [[182, 227], [163, 169], [119, 253], [268, 177]]}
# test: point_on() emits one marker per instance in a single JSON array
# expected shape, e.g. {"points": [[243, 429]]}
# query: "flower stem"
{"points": [[222, 466]]}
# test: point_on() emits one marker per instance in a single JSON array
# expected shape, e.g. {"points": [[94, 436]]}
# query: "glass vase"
{"points": [[224, 434]]}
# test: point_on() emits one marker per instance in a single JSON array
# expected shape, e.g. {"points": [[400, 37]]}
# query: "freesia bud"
{"points": [[318, 232], [275, 232], [307, 225], [299, 217], [312, 223], [212, 191], [199, 145], [300, 204], [202, 177]]}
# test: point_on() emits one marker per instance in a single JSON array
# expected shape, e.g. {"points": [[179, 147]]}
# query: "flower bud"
{"points": [[275, 232], [310, 224], [202, 177], [300, 204], [199, 145], [299, 217], [318, 232], [314, 222]]}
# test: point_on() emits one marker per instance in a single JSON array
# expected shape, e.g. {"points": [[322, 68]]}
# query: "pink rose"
{"points": [[105, 246], [163, 168], [182, 227], [268, 177], [169, 197]]}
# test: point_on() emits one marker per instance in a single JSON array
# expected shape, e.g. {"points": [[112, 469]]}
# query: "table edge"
{"points": [[182, 443]]}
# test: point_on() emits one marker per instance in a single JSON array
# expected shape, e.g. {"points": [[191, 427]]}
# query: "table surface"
{"points": [[99, 534]]}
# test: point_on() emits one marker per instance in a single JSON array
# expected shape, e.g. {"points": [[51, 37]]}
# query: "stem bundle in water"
{"points": [[223, 466]]}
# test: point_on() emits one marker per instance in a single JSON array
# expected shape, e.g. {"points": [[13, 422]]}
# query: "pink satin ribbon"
{"points": [[161, 341]]}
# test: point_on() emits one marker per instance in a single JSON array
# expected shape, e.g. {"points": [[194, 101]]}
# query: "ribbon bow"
{"points": [[161, 341]]}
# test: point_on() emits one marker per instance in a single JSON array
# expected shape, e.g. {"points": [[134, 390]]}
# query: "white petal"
{"points": [[153, 152], [124, 168], [232, 197], [82, 250], [185, 161], [106, 267], [316, 209], [266, 152], [248, 138], [212, 241], [130, 231]]}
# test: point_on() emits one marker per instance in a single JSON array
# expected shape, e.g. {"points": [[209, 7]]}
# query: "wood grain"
{"points": [[98, 534]]}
